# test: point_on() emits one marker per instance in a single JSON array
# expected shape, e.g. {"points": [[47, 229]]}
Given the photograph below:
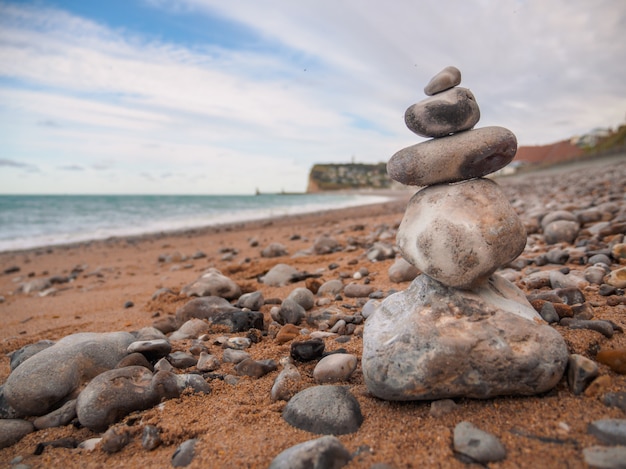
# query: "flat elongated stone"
{"points": [[47, 378], [448, 78], [445, 113], [464, 155], [460, 234], [434, 342]]}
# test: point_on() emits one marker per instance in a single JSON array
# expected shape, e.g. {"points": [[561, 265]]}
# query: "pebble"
{"points": [[329, 410], [163, 365], [207, 362], [442, 407], [213, 283], [548, 313], [601, 457], [448, 78], [614, 359], [609, 431], [331, 287], [402, 271], [207, 307], [134, 359], [237, 343], [57, 418], [184, 453], [182, 360], [279, 275], [287, 333], [322, 453], [617, 278], [286, 383], [561, 231], [114, 439], [39, 384], [13, 430], [580, 372], [326, 244], [28, 351], [153, 348], [335, 368], [307, 350], [357, 290], [255, 368], [150, 437], [234, 356], [274, 250], [114, 394], [479, 445], [303, 296], [615, 399], [253, 301], [380, 251], [603, 327], [290, 312]]}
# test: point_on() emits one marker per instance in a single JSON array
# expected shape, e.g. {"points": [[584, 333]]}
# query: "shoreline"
{"points": [[386, 196]]}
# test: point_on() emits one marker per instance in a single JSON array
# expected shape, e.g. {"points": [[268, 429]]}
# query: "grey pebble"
{"points": [[290, 312], [207, 362], [114, 439], [279, 275], [442, 407], [255, 368], [274, 250], [580, 373], [285, 382], [615, 399], [234, 356], [28, 351], [601, 457], [335, 368], [603, 327], [182, 360], [326, 452], [163, 365], [57, 418], [609, 431], [184, 453], [331, 287], [150, 437], [402, 271], [153, 348], [324, 409], [13, 430], [479, 445], [212, 283], [303, 296], [448, 78], [252, 301], [357, 290]]}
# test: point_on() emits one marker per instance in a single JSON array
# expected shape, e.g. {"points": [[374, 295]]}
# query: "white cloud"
{"points": [[332, 82]]}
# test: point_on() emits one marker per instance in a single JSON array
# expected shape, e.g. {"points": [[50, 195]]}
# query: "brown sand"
{"points": [[239, 426]]}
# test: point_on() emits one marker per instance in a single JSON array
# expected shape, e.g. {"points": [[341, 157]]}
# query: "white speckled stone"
{"points": [[464, 155], [435, 342], [460, 234]]}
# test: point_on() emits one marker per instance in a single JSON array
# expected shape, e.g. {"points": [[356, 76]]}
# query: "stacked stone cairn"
{"points": [[459, 330]]}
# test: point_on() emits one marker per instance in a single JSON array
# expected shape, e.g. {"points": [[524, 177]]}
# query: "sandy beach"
{"points": [[238, 425]]}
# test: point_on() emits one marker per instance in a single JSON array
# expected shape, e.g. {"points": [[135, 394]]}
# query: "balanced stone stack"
{"points": [[459, 329]]}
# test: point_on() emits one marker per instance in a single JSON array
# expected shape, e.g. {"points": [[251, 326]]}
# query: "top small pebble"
{"points": [[448, 78]]}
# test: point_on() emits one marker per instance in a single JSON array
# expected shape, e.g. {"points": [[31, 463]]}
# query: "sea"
{"points": [[30, 221]]}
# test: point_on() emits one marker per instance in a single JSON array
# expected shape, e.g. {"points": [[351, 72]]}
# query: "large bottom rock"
{"points": [[433, 342]]}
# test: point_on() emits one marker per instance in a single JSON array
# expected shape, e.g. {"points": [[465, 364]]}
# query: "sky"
{"points": [[226, 97]]}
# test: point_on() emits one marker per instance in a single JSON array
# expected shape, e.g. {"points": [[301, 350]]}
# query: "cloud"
{"points": [[12, 163], [323, 81], [71, 167]]}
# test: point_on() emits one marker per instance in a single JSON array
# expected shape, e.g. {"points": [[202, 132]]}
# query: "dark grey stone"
{"points": [[57, 418], [325, 410], [307, 350], [290, 312], [184, 453], [13, 430], [479, 445], [580, 373], [326, 452], [28, 351], [448, 78], [450, 111]]}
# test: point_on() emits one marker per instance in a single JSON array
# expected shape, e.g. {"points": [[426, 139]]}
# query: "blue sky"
{"points": [[216, 97]]}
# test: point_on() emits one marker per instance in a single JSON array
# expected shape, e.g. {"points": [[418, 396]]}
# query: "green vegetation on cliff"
{"points": [[331, 177]]}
